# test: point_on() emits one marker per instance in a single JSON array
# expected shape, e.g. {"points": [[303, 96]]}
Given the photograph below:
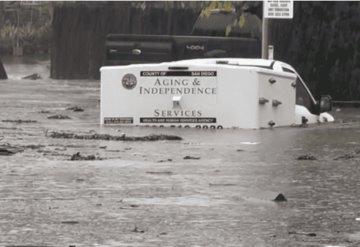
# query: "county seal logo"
{"points": [[129, 81]]}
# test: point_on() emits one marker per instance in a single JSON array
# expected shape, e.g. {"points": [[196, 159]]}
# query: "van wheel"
{"points": [[220, 127]]}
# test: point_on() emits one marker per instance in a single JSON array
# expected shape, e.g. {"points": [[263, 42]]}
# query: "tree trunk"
{"points": [[1, 14], [3, 74]]}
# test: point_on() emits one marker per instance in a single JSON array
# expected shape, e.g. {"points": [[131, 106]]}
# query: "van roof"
{"points": [[276, 66], [248, 62]]}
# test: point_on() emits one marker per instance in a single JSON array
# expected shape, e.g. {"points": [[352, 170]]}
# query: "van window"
{"points": [[287, 70], [302, 96]]}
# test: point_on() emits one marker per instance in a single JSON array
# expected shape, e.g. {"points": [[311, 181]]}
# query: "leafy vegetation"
{"points": [[25, 25]]}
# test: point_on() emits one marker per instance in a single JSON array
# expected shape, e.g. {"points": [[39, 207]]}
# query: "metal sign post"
{"points": [[264, 39], [274, 9]]}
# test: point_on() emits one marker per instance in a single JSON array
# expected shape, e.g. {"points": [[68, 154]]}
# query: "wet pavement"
{"points": [[212, 188]]}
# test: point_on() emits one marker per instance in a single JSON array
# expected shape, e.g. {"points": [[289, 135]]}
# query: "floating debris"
{"points": [[70, 222], [7, 150], [18, 121], [78, 156], [130, 207], [75, 109], [61, 149], [44, 111], [107, 137], [34, 76], [161, 173], [218, 185], [299, 125], [8, 128], [191, 158], [167, 160], [306, 157], [311, 234], [137, 230], [280, 198], [28, 246], [304, 122], [348, 156], [59, 117], [52, 154], [114, 151], [33, 146]]}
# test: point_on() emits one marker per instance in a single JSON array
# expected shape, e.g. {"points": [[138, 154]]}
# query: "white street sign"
{"points": [[279, 9]]}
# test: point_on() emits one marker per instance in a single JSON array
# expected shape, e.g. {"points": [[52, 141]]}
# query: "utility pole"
{"points": [[264, 37]]}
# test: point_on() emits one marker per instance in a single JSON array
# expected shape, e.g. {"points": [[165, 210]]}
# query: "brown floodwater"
{"points": [[147, 194]]}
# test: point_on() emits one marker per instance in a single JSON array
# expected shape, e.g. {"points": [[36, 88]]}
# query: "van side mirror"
{"points": [[325, 103]]}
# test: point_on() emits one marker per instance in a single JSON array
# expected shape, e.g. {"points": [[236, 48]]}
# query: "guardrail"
{"points": [[347, 103]]}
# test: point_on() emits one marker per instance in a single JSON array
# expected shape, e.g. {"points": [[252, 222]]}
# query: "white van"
{"points": [[209, 93]]}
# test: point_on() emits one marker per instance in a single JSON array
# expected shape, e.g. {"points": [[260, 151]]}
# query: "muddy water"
{"points": [[147, 194]]}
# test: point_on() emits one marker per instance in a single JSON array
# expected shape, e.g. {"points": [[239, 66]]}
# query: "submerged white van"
{"points": [[209, 93]]}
